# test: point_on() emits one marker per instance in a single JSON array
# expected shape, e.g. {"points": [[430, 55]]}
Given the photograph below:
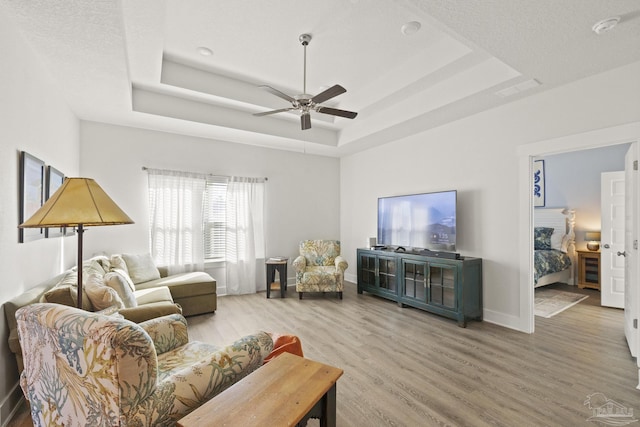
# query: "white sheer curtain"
{"points": [[175, 208], [245, 246]]}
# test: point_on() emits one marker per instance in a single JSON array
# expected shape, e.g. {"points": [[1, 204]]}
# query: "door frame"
{"points": [[622, 134]]}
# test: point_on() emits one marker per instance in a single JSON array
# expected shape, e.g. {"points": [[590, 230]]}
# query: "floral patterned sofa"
{"points": [[84, 368], [320, 268]]}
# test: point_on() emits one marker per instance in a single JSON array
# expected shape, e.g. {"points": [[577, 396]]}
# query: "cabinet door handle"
{"points": [[622, 253], [607, 246]]}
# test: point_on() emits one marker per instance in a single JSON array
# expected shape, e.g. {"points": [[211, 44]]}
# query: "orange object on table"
{"points": [[283, 343]]}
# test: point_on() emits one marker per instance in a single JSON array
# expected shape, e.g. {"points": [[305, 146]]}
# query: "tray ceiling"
{"points": [[138, 64]]}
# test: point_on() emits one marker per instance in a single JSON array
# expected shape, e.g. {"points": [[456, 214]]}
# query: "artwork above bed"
{"points": [[554, 246]]}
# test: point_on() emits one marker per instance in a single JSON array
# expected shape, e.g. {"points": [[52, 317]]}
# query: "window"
{"points": [[214, 218]]}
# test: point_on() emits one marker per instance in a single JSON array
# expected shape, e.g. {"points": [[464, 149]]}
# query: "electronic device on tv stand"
{"points": [[446, 255]]}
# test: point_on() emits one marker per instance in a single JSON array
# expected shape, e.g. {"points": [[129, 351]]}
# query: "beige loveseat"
{"points": [[128, 284]]}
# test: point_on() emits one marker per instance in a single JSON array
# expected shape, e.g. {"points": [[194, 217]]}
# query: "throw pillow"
{"points": [[104, 262], [126, 277], [141, 267], [65, 295], [542, 238], [91, 266], [101, 295], [118, 282], [118, 263], [71, 279]]}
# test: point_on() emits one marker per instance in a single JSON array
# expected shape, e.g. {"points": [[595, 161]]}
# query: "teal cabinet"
{"points": [[448, 287]]}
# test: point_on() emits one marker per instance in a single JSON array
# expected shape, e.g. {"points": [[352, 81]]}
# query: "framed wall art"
{"points": [[54, 181], [31, 194], [538, 184]]}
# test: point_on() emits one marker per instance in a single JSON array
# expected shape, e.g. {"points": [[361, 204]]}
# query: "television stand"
{"points": [[450, 287]]}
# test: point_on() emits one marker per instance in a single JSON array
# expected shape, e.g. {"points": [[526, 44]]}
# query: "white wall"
{"points": [[573, 180], [302, 197], [33, 118], [478, 157]]}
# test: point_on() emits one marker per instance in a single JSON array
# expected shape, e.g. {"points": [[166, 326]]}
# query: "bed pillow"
{"points": [[557, 240], [542, 238]]}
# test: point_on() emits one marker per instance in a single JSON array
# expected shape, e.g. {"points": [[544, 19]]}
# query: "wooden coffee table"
{"points": [[287, 390]]}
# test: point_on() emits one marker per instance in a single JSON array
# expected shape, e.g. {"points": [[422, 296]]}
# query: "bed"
{"points": [[554, 246]]}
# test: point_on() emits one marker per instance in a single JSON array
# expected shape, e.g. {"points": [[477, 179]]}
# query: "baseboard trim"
{"points": [[11, 404], [351, 277], [501, 319]]}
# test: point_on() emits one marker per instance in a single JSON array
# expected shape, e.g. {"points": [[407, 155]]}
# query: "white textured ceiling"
{"points": [[135, 62]]}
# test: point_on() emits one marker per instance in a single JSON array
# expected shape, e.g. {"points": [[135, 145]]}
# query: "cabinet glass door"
{"points": [[368, 270], [387, 274], [442, 281], [415, 280]]}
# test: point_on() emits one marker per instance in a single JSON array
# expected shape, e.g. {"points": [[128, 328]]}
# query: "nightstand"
{"points": [[589, 269]]}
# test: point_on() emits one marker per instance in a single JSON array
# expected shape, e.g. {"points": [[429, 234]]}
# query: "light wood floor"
{"points": [[405, 367]]}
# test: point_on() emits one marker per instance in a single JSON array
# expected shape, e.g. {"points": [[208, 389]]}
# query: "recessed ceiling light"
{"points": [[605, 25], [410, 28], [204, 51]]}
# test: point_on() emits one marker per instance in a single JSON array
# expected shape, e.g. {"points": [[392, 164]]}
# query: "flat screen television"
{"points": [[420, 221]]}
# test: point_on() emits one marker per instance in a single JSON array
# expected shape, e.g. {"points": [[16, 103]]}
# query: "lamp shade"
{"points": [[79, 201], [592, 236]]}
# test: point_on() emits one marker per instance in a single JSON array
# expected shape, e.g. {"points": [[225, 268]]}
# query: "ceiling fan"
{"points": [[306, 103]]}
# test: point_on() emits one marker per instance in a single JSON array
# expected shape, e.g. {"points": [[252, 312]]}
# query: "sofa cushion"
{"points": [[149, 311], [118, 282], [184, 285], [101, 295], [141, 267], [153, 295]]}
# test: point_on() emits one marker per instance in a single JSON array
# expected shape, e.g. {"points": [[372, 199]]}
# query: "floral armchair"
{"points": [[84, 368], [320, 268]]}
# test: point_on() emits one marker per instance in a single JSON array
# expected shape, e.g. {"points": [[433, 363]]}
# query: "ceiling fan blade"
{"points": [[328, 94], [266, 113], [276, 92], [305, 121], [336, 112]]}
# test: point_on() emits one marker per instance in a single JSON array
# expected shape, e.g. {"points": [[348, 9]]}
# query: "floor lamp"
{"points": [[79, 203]]}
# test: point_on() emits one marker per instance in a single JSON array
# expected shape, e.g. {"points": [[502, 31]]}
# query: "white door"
{"points": [[631, 291], [612, 239]]}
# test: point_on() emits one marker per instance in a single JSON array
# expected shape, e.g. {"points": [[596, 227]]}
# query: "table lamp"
{"points": [[79, 203], [593, 240]]}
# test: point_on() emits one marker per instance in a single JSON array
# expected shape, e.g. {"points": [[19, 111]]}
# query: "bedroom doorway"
{"points": [[590, 185], [623, 134]]}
